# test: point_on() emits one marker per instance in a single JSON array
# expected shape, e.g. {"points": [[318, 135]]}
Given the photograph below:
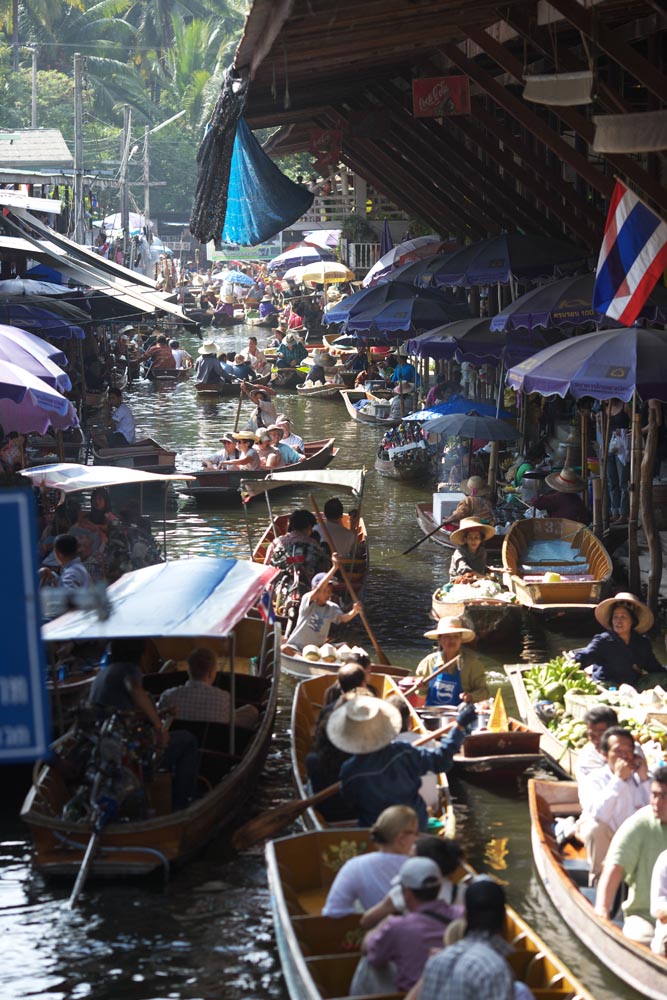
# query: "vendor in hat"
{"points": [[476, 503], [382, 771], [469, 561], [403, 401], [291, 352], [268, 311], [564, 499], [264, 412], [208, 368], [465, 679], [622, 654], [404, 371]]}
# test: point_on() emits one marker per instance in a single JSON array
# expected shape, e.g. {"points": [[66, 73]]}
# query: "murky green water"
{"points": [[208, 933]]}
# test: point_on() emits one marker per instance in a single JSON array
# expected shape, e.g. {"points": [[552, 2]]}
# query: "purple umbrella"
{"points": [[568, 302], [39, 366], [512, 256], [611, 363], [473, 340], [29, 405], [298, 256], [38, 347], [383, 307]]}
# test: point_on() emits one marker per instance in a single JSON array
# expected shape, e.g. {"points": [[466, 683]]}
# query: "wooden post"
{"points": [[584, 417], [493, 465], [597, 505], [606, 433], [648, 516], [633, 552]]}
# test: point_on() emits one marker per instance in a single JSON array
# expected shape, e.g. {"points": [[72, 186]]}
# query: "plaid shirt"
{"points": [[196, 701], [472, 969]]}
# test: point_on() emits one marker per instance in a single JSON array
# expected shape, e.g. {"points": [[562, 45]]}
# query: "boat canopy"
{"points": [[349, 480], [187, 597], [71, 478]]}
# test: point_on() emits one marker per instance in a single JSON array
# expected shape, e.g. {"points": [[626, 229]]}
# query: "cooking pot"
{"points": [[533, 485]]}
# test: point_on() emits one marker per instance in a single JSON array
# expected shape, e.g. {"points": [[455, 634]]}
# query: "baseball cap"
{"points": [[317, 580], [418, 873]]}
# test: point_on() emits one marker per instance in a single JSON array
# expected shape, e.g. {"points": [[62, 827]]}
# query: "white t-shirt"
{"points": [[180, 356], [362, 882], [610, 800], [123, 422], [313, 623]]}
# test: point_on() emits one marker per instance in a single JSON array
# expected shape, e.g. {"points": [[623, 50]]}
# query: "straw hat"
{"points": [[334, 295], [289, 338], [565, 481], [228, 300], [266, 297], [450, 626], [466, 524], [239, 359], [127, 328], [282, 326], [402, 388], [363, 725], [475, 486], [208, 347], [244, 436], [275, 427], [604, 611]]}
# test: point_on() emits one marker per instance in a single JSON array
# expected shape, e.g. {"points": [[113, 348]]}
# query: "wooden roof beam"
{"points": [[614, 46], [495, 190], [582, 126]]}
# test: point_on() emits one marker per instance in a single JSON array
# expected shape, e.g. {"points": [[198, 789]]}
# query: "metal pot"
{"points": [[533, 485]]}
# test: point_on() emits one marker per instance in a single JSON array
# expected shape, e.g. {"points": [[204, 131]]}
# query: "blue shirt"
{"points": [[616, 663], [289, 454], [392, 776]]}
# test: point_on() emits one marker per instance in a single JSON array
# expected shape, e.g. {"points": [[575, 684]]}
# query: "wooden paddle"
{"points": [[348, 583], [270, 823], [238, 409], [427, 680], [424, 537]]}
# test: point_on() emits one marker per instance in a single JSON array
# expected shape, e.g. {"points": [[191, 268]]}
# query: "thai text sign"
{"points": [[439, 96], [24, 720]]}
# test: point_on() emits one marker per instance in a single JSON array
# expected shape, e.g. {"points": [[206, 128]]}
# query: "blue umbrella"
{"points": [[237, 278], [402, 315], [35, 319], [473, 340], [512, 256], [459, 404], [568, 302], [386, 243], [607, 364], [372, 300]]}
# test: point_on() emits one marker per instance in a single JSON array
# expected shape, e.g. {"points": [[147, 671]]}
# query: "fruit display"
{"points": [[330, 653], [480, 590], [550, 681]]}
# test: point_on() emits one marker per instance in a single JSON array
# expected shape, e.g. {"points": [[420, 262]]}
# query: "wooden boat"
{"points": [[329, 342], [555, 546], [218, 483], [561, 758], [563, 872], [330, 390], [146, 455], [287, 378], [441, 536], [489, 617], [186, 603], [409, 463], [306, 706], [299, 666], [319, 954], [94, 399], [375, 413], [341, 375], [228, 390], [168, 375]]}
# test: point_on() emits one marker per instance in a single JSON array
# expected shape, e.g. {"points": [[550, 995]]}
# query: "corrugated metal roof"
{"points": [[39, 147]]}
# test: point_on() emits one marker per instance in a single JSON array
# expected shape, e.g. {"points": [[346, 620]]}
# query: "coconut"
{"points": [[328, 653], [343, 652], [311, 653]]}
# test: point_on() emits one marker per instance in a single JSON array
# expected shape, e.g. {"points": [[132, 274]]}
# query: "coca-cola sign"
{"points": [[439, 96]]}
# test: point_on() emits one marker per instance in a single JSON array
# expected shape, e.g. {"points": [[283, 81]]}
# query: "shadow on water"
{"points": [[207, 933]]}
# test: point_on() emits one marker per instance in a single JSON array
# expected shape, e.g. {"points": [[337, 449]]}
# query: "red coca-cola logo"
{"points": [[439, 93]]}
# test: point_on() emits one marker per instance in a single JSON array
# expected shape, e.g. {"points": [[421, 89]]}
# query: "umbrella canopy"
{"points": [[458, 404], [400, 254], [39, 320], [186, 597], [327, 238], [75, 313], [568, 302], [298, 256], [471, 425], [37, 347], [474, 340], [509, 257], [31, 286], [322, 272], [38, 365], [607, 364], [235, 277], [69, 477], [29, 405], [402, 315], [376, 297]]}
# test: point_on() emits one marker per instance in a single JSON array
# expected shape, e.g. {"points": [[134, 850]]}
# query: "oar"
{"points": [[427, 680], [348, 583], [238, 409], [84, 869], [423, 538], [269, 823]]}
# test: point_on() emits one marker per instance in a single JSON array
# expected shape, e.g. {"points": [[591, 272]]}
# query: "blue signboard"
{"points": [[24, 715]]}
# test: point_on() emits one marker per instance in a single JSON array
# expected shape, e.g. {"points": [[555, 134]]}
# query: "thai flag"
{"points": [[265, 608], [632, 257]]}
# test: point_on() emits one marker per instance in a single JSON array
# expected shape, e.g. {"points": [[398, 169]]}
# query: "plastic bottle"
{"points": [[253, 666]]}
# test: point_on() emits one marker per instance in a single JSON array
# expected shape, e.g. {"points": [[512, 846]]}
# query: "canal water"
{"points": [[208, 933]]}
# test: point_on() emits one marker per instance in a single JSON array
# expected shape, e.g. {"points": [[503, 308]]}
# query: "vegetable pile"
{"points": [[550, 681]]}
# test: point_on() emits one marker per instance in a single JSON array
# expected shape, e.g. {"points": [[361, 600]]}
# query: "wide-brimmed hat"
{"points": [[450, 626], [275, 427], [228, 300], [266, 297], [208, 347], [363, 724], [565, 481], [290, 338], [126, 328], [468, 523], [477, 485], [605, 609], [244, 436], [282, 418], [239, 359], [282, 325], [402, 388]]}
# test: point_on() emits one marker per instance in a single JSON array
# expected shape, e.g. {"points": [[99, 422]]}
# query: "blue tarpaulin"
{"points": [[261, 201]]}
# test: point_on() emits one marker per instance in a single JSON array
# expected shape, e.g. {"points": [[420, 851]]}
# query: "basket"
{"points": [[577, 705]]}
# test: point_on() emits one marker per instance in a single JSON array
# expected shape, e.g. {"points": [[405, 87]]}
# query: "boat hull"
{"points": [[426, 522], [560, 758], [369, 415], [489, 618], [147, 456], [634, 963], [405, 473]]}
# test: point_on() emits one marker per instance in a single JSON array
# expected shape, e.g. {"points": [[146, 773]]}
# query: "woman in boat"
{"points": [[465, 679], [100, 508], [367, 878], [248, 460], [476, 503], [264, 412], [403, 401], [622, 654], [564, 499], [469, 561], [269, 457]]}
